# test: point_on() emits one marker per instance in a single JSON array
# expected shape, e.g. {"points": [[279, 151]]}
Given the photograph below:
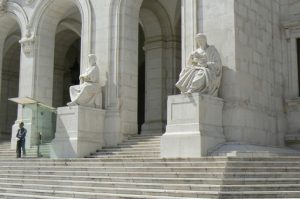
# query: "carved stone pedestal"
{"points": [[194, 126], [79, 132]]}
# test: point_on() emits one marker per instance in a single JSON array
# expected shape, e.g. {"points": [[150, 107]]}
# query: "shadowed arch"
{"points": [[84, 7]]}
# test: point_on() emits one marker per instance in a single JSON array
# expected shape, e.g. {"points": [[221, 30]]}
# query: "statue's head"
{"points": [[92, 59], [201, 40]]}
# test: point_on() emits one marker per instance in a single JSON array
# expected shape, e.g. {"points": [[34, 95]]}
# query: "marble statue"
{"points": [[203, 71], [88, 92]]}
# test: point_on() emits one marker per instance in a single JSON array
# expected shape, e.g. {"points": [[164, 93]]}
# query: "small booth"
{"points": [[40, 122]]}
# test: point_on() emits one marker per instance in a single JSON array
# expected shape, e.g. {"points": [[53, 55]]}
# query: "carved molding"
{"points": [[27, 43]]}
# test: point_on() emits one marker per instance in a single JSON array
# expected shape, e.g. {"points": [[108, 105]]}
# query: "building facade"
{"points": [[141, 46]]}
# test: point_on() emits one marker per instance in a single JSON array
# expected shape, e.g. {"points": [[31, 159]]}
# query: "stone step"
{"points": [[146, 135], [120, 168], [148, 146], [121, 156], [144, 138], [5, 146], [116, 169], [175, 180], [27, 196], [130, 150], [137, 159], [144, 144], [160, 193], [120, 164], [192, 187], [13, 152], [164, 174], [129, 153], [140, 147], [143, 150], [159, 163], [99, 195], [95, 192]]}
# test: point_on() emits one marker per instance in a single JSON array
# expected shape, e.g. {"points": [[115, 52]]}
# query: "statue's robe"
{"points": [[88, 92], [205, 80]]}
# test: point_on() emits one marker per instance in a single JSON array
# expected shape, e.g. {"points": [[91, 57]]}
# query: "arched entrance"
{"points": [[66, 60], [59, 44], [161, 45], [10, 48]]}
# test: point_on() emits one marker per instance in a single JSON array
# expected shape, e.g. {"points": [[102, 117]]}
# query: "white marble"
{"points": [[88, 93], [256, 40], [232, 149], [203, 71], [79, 132], [194, 126]]}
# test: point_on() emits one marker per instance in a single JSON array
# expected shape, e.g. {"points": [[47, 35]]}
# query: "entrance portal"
{"points": [[9, 80]]}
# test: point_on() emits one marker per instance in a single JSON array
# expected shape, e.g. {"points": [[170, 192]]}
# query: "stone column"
{"points": [[155, 90], [189, 27], [26, 86]]}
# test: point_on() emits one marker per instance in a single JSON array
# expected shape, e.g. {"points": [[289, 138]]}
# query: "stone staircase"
{"points": [[133, 169], [7, 152]]}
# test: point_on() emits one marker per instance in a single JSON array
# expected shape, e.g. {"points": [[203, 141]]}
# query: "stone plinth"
{"points": [[79, 132], [194, 126]]}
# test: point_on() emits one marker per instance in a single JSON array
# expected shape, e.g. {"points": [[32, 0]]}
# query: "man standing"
{"points": [[21, 140]]}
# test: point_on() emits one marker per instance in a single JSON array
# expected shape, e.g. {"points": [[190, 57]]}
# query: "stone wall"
{"points": [[251, 44], [254, 113]]}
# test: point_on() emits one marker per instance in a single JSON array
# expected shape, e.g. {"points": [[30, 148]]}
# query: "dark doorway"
{"points": [[141, 80], [66, 66], [9, 84]]}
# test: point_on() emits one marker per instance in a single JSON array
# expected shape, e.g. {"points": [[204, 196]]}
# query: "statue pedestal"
{"points": [[194, 126], [79, 132]]}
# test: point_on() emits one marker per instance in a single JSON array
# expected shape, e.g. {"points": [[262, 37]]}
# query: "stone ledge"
{"points": [[236, 149]]}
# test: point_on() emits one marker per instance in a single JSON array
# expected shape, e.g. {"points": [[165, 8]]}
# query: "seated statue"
{"points": [[203, 71], [88, 93]]}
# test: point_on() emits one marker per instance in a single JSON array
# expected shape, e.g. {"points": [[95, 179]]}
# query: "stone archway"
{"points": [[10, 35], [160, 49], [66, 59], [59, 19]]}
